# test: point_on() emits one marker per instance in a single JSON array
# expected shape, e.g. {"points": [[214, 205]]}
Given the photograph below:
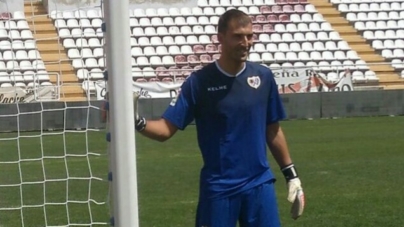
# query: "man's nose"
{"points": [[245, 41]]}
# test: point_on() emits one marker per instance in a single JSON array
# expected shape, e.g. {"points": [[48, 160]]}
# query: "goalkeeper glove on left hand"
{"points": [[295, 191]]}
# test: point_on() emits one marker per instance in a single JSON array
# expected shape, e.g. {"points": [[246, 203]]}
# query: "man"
{"points": [[236, 108]]}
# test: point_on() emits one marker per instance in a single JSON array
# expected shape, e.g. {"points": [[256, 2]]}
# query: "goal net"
{"points": [[53, 148], [51, 176]]}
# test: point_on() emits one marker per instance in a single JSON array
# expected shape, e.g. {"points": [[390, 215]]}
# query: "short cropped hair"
{"points": [[228, 16]]}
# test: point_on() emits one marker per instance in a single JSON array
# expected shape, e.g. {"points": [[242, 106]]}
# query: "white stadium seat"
{"points": [[163, 12], [96, 74], [83, 74]]}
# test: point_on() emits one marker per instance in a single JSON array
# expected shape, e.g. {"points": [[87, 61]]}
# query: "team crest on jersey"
{"points": [[254, 81], [174, 100]]}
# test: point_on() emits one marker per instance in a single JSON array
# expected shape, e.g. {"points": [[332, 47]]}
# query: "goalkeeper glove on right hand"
{"points": [[295, 191], [140, 122]]}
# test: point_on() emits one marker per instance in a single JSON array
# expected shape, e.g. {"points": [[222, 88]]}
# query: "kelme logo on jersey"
{"points": [[254, 81]]}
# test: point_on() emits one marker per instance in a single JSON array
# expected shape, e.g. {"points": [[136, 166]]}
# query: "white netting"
{"points": [[51, 178], [53, 160]]}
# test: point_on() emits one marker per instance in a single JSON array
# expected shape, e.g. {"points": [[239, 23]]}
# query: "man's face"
{"points": [[237, 40]]}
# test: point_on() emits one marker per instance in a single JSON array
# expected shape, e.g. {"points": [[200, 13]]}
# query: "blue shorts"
{"points": [[256, 207]]}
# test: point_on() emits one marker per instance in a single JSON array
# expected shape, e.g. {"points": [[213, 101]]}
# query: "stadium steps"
{"points": [[394, 87], [387, 75], [53, 53], [72, 93]]}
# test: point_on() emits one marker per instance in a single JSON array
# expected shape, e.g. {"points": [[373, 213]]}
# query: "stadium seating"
{"points": [[20, 61], [381, 22], [287, 33]]}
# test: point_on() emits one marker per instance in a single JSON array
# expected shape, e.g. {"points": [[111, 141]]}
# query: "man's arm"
{"points": [[277, 144], [160, 130], [178, 115]]}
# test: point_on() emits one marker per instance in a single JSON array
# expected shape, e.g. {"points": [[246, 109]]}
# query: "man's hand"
{"points": [[140, 122], [295, 191]]}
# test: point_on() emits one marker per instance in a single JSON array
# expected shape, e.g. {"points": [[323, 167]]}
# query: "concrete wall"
{"points": [[11, 5], [364, 103], [57, 115], [320, 105], [50, 116]]}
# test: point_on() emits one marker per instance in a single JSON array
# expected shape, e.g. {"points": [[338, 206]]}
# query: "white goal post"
{"points": [[55, 170], [123, 149]]}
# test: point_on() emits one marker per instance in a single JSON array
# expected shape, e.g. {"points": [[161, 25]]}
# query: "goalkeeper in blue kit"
{"points": [[237, 108]]}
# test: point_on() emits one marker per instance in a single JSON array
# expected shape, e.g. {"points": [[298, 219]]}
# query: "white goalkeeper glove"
{"points": [[140, 122], [295, 191]]}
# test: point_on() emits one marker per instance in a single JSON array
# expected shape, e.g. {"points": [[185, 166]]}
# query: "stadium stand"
{"points": [[168, 43], [381, 24], [21, 64], [162, 39]]}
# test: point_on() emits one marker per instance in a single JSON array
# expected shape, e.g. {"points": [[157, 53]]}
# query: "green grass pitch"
{"points": [[351, 170]]}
